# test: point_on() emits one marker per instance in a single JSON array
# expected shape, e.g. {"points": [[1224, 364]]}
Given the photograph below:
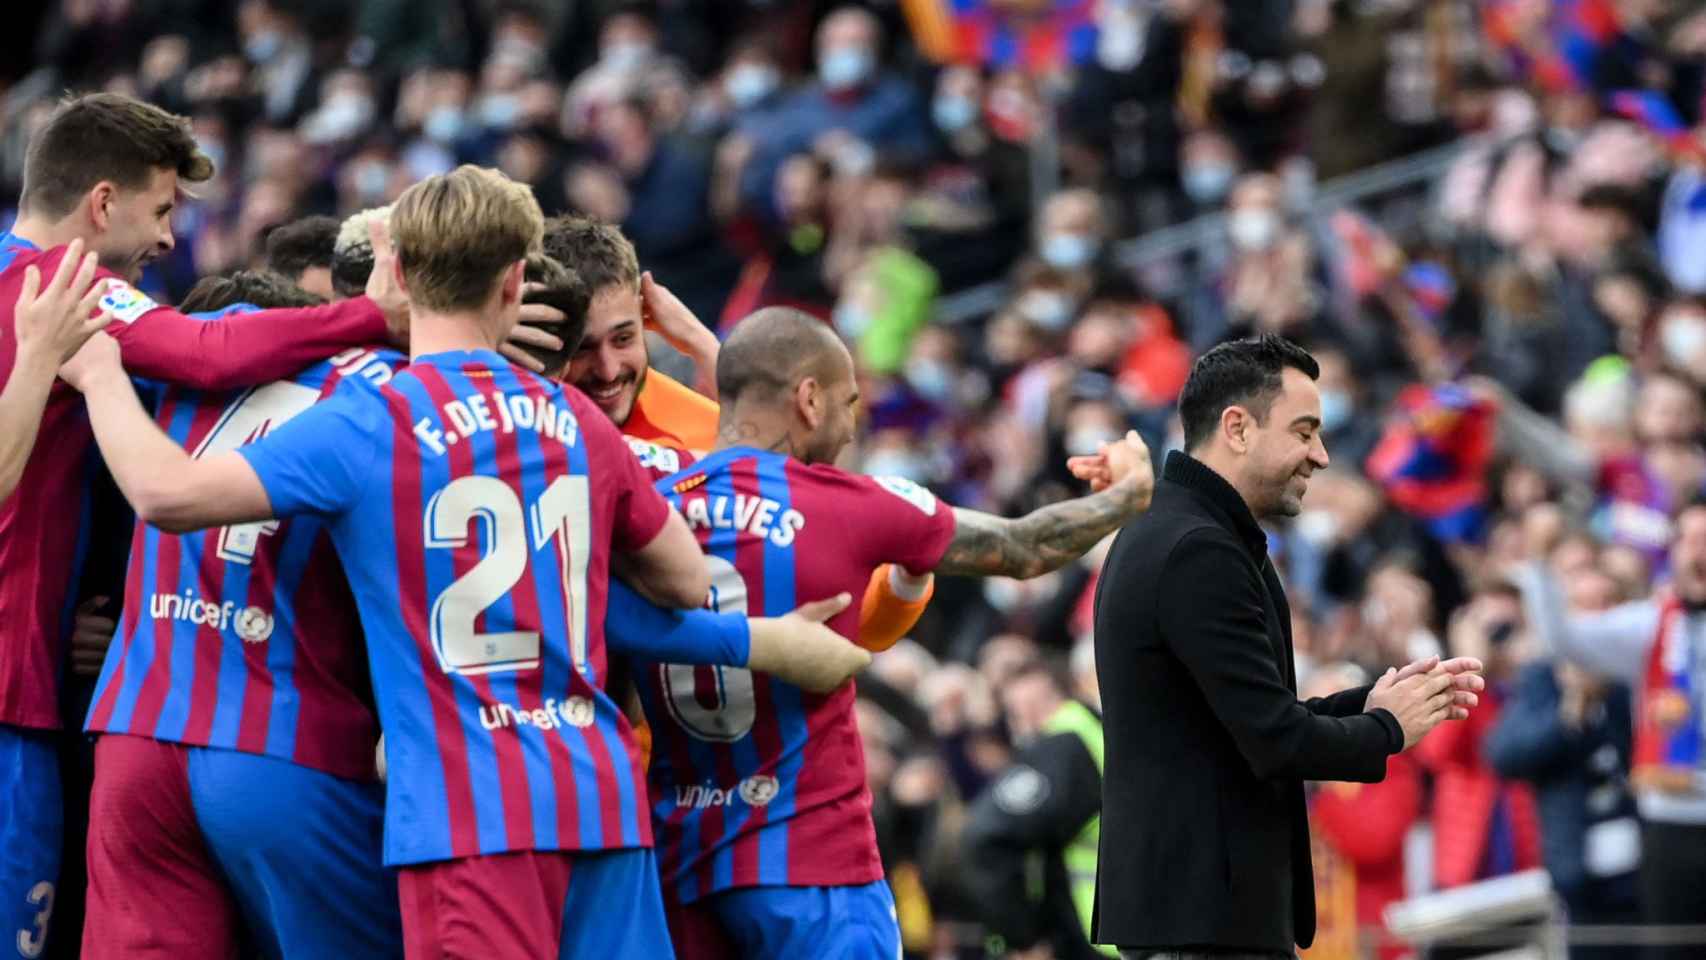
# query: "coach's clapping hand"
{"points": [[1426, 693]]}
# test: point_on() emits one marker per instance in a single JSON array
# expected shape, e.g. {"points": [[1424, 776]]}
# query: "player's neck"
{"points": [[741, 428], [45, 233], [433, 332]]}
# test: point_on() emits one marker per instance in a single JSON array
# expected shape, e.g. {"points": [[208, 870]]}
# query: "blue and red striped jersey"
{"points": [[44, 524], [244, 637], [754, 781], [475, 507]]}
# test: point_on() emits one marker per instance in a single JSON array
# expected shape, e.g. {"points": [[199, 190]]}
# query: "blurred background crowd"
{"points": [[1486, 218]]}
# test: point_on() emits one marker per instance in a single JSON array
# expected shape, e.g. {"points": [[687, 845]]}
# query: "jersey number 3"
{"points": [[561, 516]]}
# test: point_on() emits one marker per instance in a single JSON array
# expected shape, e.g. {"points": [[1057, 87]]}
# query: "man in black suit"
{"points": [[1205, 842]]}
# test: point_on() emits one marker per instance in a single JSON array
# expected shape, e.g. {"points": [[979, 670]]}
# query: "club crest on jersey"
{"points": [[754, 791], [911, 492], [124, 302], [254, 625]]}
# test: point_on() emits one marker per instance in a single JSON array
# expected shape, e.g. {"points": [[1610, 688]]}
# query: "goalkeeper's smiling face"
{"points": [[610, 366]]}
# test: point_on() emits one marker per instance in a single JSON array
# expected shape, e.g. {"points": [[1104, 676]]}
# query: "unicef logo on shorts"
{"points": [[758, 791], [253, 624]]}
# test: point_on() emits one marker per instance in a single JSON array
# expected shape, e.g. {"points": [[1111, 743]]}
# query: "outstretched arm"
{"points": [[169, 489], [1051, 537]]}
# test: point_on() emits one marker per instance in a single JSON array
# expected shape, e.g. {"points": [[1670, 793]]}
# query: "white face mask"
{"points": [[628, 54], [845, 67], [1087, 441], [1683, 337], [750, 83], [1253, 229]]}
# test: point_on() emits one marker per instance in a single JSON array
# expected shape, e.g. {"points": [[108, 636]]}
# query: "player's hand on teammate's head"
{"points": [[98, 357], [382, 285], [525, 334], [58, 318]]}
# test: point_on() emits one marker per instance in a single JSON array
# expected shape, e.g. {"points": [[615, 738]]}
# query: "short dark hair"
{"points": [[598, 252], [261, 288], [769, 351], [301, 244], [564, 291], [1238, 373], [105, 136]]}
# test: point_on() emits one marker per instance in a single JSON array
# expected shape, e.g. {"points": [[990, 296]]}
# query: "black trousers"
{"points": [[1673, 882]]}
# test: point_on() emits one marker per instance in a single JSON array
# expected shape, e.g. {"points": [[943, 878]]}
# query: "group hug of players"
{"points": [[400, 513]]}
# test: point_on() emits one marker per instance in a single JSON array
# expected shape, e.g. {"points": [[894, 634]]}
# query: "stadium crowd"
{"points": [[1513, 353]]}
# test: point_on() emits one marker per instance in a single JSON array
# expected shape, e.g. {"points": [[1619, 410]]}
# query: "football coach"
{"points": [[1205, 841]]}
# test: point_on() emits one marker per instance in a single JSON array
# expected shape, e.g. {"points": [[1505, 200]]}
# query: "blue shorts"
{"points": [[31, 831], [191, 846], [826, 923]]}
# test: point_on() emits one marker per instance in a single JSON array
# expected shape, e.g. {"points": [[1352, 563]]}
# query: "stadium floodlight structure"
{"points": [[1517, 915]]}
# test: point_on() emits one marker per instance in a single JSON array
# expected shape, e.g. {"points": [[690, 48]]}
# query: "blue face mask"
{"points": [[1208, 184], [851, 319], [1336, 409], [749, 83], [931, 379], [844, 67], [443, 124], [499, 111], [1068, 251], [953, 114], [263, 46]]}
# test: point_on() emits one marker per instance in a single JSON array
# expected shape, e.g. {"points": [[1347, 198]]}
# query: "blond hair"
{"points": [[457, 233]]}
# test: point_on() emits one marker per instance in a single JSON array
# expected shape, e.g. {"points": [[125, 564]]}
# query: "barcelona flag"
{"points": [[1032, 35], [1432, 460]]}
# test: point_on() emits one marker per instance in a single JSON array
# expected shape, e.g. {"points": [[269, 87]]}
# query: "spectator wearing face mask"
{"points": [[627, 49], [1269, 284], [869, 110], [668, 216], [1345, 426], [277, 46], [1208, 166]]}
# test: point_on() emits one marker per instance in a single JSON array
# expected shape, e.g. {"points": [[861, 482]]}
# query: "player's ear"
{"points": [[808, 401], [513, 279], [101, 197], [397, 275]]}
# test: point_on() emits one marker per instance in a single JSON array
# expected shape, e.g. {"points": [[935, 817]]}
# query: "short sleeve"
{"points": [[902, 520], [639, 510], [319, 461]]}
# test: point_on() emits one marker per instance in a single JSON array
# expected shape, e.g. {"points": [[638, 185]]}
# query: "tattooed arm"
{"points": [[1051, 537]]}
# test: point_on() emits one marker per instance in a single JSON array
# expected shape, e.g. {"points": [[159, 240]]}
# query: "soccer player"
{"points": [[105, 170], [234, 773], [758, 789], [301, 252], [477, 510], [668, 425], [48, 326]]}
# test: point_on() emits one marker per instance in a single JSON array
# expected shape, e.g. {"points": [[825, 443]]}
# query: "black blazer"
{"points": [[1205, 840]]}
